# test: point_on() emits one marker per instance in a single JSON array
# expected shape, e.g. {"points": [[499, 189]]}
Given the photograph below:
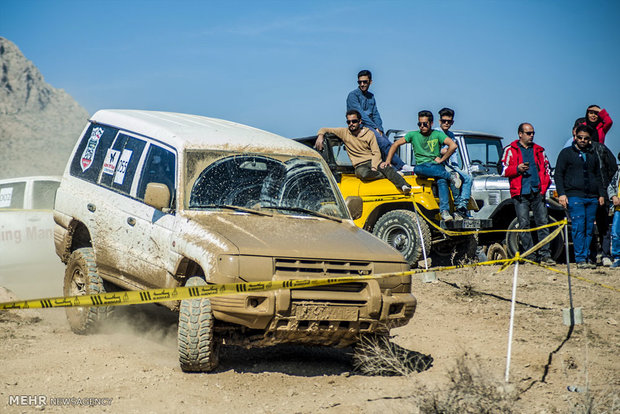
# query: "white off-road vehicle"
{"points": [[160, 200]]}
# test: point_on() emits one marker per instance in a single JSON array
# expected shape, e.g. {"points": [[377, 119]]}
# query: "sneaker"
{"points": [[582, 265], [457, 215], [616, 263], [463, 212], [406, 189], [445, 216], [548, 261], [456, 179], [591, 265], [607, 262], [406, 169]]}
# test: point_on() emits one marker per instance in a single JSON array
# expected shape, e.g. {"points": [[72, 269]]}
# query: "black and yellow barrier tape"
{"points": [[561, 223], [583, 279], [213, 290]]}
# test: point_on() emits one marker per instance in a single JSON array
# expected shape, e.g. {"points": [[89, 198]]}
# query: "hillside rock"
{"points": [[39, 124]]}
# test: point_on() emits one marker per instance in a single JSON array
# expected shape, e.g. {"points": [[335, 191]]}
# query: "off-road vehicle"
{"points": [[391, 215], [160, 200], [480, 154]]}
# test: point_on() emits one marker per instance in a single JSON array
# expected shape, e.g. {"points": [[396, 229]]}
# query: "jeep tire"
{"points": [[198, 347], [399, 229], [513, 243], [82, 278], [455, 250]]}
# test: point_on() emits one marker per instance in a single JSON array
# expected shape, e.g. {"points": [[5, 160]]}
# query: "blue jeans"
{"points": [[615, 236], [437, 171], [536, 204], [384, 147], [582, 213], [461, 195]]}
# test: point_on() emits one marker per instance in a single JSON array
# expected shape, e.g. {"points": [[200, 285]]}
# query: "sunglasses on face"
{"points": [[423, 124], [447, 121], [592, 112], [362, 82], [352, 121], [582, 138], [529, 133]]}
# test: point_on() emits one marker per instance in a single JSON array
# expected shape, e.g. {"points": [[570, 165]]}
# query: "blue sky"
{"points": [[287, 66]]}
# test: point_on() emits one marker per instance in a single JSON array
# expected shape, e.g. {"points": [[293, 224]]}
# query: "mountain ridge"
{"points": [[39, 124]]}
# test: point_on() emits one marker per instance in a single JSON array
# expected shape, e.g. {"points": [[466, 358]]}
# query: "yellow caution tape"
{"points": [[134, 297], [471, 232], [573, 276]]}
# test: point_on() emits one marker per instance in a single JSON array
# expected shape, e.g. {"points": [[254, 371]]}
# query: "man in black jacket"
{"points": [[580, 187]]}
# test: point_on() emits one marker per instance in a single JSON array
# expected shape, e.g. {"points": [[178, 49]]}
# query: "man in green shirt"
{"points": [[427, 144]]}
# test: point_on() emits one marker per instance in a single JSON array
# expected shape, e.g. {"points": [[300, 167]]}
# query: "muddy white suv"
{"points": [[159, 200]]}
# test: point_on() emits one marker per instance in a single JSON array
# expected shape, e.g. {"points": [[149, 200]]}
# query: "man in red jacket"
{"points": [[600, 120], [527, 167]]}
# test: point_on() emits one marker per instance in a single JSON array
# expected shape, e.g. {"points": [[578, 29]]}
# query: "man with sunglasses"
{"points": [[461, 195], [580, 187], [363, 101], [427, 144], [529, 173], [363, 150]]}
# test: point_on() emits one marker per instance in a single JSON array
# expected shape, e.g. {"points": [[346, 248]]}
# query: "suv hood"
{"points": [[295, 236]]}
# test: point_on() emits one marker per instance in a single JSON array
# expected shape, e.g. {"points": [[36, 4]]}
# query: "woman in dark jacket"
{"points": [[580, 187]]}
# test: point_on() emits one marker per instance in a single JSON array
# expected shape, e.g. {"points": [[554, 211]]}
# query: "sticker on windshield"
{"points": [[119, 177], [91, 147], [111, 158], [6, 194]]}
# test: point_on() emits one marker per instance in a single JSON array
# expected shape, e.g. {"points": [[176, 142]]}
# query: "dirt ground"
{"points": [[461, 322]]}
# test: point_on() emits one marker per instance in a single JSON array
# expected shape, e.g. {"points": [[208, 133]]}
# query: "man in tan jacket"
{"points": [[361, 145]]}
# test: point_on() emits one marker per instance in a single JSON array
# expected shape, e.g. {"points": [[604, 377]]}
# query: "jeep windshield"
{"points": [[485, 152], [255, 183]]}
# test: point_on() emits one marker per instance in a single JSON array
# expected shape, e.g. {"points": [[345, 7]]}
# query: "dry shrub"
{"points": [[470, 391], [377, 355], [595, 402]]}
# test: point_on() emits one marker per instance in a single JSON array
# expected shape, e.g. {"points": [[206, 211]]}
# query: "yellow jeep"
{"points": [[390, 215]]}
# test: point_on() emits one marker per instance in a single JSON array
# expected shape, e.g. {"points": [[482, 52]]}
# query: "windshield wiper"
{"points": [[238, 208], [310, 212]]}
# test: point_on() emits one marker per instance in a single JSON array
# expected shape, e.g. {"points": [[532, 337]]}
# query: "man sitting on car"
{"points": [[427, 144], [361, 145]]}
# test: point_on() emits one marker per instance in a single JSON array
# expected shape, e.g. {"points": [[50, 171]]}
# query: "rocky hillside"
{"points": [[39, 124]]}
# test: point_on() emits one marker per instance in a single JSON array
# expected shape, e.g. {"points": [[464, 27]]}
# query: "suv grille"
{"points": [[292, 268]]}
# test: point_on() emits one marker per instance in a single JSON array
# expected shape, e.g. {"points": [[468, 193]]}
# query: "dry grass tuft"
{"points": [[471, 391], [377, 355], [595, 402]]}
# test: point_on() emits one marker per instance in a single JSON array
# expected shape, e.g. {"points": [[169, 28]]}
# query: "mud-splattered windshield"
{"points": [[278, 184]]}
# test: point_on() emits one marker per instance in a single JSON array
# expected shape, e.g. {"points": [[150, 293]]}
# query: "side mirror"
{"points": [[157, 195], [355, 206]]}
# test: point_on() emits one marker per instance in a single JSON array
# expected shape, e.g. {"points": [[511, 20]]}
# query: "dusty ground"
{"points": [[134, 363]]}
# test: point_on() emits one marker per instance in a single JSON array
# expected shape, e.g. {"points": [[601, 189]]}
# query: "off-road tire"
{"points": [[82, 278], [455, 251], [513, 244], [198, 346], [496, 252], [399, 229]]}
